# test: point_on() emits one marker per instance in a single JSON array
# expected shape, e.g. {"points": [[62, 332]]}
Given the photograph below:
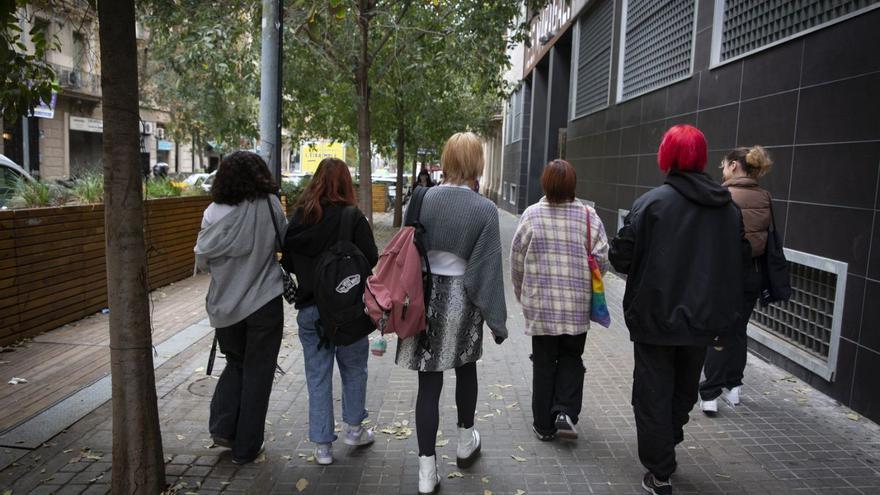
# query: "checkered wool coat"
{"points": [[548, 260]]}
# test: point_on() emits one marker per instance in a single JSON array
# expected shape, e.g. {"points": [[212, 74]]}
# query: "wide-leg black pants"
{"points": [[557, 379]]}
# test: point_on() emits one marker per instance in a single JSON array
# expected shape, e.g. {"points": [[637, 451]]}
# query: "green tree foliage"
{"points": [[25, 76], [202, 63]]}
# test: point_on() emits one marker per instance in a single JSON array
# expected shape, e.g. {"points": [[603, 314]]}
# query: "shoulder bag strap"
{"points": [[589, 233], [278, 240]]}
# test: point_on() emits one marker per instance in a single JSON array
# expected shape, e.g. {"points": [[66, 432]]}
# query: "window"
{"points": [[79, 51], [658, 39], [806, 329], [513, 194], [744, 26], [42, 28], [504, 192], [517, 102], [592, 60]]}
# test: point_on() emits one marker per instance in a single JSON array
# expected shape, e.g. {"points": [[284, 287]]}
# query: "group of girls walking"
{"points": [[692, 280]]}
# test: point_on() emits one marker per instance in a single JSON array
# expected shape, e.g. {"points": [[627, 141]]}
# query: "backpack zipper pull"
{"points": [[405, 307]]}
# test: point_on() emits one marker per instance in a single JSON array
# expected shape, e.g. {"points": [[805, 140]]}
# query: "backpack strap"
{"points": [[346, 224], [414, 212]]}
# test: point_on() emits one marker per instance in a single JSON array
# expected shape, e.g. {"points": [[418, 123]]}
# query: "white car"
{"points": [[10, 173], [194, 179]]}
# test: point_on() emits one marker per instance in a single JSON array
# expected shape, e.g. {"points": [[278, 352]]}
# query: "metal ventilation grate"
{"points": [[750, 24], [658, 44], [594, 59], [806, 320]]}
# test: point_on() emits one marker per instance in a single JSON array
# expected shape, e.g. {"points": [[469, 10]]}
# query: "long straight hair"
{"points": [[331, 184]]}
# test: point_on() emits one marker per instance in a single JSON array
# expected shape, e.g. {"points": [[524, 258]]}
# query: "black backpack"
{"points": [[340, 279]]}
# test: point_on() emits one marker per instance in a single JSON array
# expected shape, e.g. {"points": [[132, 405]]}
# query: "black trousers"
{"points": [[428, 404], [557, 379], [724, 368], [665, 382], [241, 399]]}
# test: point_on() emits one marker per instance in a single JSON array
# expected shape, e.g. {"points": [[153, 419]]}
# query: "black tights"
{"points": [[428, 403]]}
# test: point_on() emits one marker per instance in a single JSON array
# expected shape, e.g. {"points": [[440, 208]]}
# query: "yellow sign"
{"points": [[311, 153]]}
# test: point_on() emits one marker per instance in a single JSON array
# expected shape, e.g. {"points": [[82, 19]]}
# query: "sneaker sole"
{"points": [[357, 444], [466, 462], [647, 488], [732, 403], [324, 462]]}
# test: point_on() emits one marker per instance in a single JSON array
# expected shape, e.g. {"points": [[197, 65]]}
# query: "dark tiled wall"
{"points": [[814, 102], [515, 160]]}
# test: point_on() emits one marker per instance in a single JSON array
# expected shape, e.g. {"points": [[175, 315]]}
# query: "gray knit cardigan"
{"points": [[464, 223]]}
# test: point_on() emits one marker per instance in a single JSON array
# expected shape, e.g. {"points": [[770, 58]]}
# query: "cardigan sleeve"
{"points": [[484, 277]]}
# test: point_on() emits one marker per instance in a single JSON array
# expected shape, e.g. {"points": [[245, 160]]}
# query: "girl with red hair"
{"points": [[324, 208], [683, 250]]}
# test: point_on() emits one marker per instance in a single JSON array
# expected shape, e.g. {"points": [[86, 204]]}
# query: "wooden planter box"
{"points": [[52, 264]]}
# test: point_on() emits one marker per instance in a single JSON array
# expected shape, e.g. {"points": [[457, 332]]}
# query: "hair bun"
{"points": [[759, 160]]}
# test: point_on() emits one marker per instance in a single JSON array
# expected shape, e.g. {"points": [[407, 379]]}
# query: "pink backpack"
{"points": [[397, 295]]}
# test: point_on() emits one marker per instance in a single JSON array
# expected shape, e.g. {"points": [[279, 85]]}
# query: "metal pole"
{"points": [[270, 70], [25, 144]]}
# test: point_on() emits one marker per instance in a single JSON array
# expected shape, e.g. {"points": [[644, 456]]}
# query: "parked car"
{"points": [[196, 179], [206, 185], [10, 173]]}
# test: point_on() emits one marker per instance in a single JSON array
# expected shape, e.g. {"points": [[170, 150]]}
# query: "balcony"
{"points": [[78, 83]]}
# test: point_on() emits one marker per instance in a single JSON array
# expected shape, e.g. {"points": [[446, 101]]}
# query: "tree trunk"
{"points": [[138, 464], [398, 198], [415, 176], [365, 194]]}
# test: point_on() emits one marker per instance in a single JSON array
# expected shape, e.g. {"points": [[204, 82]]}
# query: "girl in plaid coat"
{"points": [[551, 279]]}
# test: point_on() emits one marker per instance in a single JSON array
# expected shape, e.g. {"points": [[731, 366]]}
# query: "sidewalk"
{"points": [[785, 437]]}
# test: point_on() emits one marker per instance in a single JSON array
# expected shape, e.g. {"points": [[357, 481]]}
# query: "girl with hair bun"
{"points": [[740, 169]]}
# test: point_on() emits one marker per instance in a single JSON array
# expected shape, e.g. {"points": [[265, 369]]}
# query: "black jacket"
{"points": [[684, 252], [303, 244]]}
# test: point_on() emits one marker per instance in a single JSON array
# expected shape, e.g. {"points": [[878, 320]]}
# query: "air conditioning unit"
{"points": [[147, 127], [73, 79], [160, 132]]}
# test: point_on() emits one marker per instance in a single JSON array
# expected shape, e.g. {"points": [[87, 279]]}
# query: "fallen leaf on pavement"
{"points": [[442, 443], [520, 492], [181, 437], [487, 492], [484, 479], [853, 416], [518, 458], [199, 370], [16, 380], [455, 474], [302, 484]]}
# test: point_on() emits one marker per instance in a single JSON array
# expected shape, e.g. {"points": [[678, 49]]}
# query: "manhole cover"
{"points": [[203, 387]]}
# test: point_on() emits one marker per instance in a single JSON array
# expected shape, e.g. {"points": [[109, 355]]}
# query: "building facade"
{"points": [[64, 136], [604, 79]]}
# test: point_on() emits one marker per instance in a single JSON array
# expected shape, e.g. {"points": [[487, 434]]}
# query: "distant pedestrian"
{"points": [[424, 179], [464, 250], [724, 367], [315, 226], [551, 278], [683, 250], [237, 246]]}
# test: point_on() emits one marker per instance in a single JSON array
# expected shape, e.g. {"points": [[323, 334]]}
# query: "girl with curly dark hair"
{"points": [[325, 208], [237, 246]]}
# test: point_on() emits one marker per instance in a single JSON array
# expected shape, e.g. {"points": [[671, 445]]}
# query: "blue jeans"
{"points": [[352, 361]]}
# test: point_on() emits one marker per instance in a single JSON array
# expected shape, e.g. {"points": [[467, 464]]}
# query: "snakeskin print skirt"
{"points": [[454, 336]]}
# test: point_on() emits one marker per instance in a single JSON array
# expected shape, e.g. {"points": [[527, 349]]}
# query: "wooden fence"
{"points": [[52, 264]]}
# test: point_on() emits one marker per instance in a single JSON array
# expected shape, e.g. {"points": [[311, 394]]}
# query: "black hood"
{"points": [[699, 188], [312, 240]]}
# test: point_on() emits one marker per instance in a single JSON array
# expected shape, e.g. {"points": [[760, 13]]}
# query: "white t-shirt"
{"points": [[444, 262]]}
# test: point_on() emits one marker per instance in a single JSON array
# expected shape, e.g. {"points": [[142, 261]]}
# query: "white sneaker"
{"points": [[709, 407], [429, 479], [358, 436], [468, 447], [324, 454], [732, 396]]}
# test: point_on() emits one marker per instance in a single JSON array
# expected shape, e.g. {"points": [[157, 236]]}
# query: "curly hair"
{"points": [[242, 176]]}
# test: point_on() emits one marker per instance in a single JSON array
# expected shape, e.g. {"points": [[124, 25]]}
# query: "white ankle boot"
{"points": [[468, 447], [429, 479]]}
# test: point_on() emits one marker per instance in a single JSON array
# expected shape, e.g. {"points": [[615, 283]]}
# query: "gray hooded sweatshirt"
{"points": [[238, 250]]}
